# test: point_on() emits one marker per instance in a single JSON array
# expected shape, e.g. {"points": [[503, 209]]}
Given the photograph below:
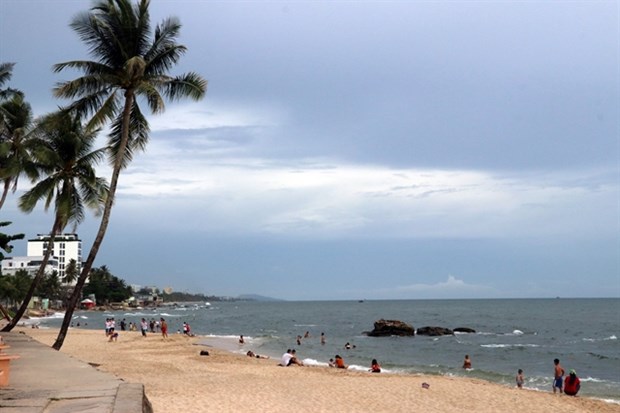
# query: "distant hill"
{"points": [[256, 297]]}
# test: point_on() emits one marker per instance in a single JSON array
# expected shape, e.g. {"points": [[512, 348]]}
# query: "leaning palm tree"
{"points": [[131, 62], [15, 144], [66, 158]]}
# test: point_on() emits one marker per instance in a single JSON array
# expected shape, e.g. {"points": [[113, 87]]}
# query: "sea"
{"points": [[511, 334]]}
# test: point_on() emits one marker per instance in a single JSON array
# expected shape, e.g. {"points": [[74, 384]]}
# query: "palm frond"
{"points": [[190, 85]]}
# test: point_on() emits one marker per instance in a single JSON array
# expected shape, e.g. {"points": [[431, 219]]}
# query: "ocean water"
{"points": [[510, 335]]}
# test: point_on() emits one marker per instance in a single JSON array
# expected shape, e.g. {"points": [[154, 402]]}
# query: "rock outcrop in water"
{"points": [[434, 331], [391, 328]]}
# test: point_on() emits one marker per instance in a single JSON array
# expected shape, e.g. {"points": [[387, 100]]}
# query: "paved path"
{"points": [[44, 380]]}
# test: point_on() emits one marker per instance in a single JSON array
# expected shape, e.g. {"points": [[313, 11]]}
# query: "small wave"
{"points": [[508, 345], [517, 333], [612, 401], [313, 362], [591, 340], [599, 356], [593, 380]]}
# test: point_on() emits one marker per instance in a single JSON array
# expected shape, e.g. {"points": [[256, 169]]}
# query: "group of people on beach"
{"points": [[570, 384], [289, 358], [146, 326]]}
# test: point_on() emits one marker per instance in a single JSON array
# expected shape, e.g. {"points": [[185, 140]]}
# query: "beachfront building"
{"points": [[10, 265], [66, 247]]}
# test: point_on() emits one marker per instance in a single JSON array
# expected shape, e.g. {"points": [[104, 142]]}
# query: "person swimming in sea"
{"points": [[467, 362]]}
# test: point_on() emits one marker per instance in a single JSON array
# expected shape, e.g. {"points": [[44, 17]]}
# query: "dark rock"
{"points": [[204, 353], [391, 328], [464, 330], [434, 331]]}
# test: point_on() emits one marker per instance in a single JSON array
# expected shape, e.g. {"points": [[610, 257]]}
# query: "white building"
{"points": [[10, 265], [66, 247]]}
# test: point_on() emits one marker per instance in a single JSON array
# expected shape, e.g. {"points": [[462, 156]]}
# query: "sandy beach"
{"points": [[178, 379]]}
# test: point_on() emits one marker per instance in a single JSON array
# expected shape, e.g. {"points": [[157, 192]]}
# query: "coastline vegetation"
{"points": [[131, 65]]}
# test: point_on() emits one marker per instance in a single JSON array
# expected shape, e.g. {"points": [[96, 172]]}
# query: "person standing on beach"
{"points": [[144, 327], [520, 379], [164, 328], [558, 374]]}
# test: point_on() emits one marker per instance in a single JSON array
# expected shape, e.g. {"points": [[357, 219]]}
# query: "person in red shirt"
{"points": [[340, 362], [572, 384]]}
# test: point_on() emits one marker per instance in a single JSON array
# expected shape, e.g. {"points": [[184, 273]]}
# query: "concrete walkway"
{"points": [[44, 380]]}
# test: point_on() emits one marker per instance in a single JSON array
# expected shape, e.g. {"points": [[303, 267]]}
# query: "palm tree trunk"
{"points": [[103, 226], [5, 191], [4, 313], [37, 279]]}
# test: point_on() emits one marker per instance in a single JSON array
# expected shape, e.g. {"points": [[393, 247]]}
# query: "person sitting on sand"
{"points": [[289, 358], [375, 367], [250, 353], [467, 362], [286, 358], [113, 335], [294, 359], [572, 384], [520, 379], [340, 362]]}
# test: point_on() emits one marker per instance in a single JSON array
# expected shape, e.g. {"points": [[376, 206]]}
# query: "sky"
{"points": [[361, 149]]}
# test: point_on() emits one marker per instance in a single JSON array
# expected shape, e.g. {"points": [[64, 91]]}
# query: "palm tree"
{"points": [[71, 272], [131, 62], [5, 245], [67, 161], [15, 144], [6, 72]]}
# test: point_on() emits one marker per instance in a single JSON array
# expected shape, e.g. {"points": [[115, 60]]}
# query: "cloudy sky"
{"points": [[372, 149]]}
